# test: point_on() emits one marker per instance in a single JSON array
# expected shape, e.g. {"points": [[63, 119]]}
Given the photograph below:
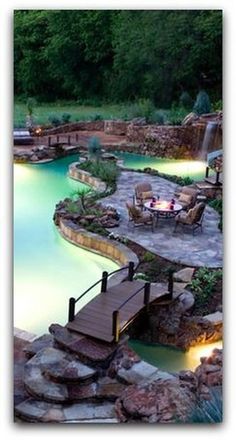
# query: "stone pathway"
{"points": [[202, 249]]}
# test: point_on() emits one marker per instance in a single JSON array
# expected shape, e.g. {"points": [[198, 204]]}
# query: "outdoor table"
{"points": [[163, 209]]}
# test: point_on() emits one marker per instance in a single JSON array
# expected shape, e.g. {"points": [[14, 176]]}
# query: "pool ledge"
{"points": [[117, 252], [85, 177]]}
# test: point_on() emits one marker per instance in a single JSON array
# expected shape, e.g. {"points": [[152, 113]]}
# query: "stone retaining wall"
{"points": [[117, 252], [76, 126], [85, 177]]}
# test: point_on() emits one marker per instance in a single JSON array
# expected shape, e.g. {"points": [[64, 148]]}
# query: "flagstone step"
{"points": [[91, 352], [72, 376], [37, 411]]}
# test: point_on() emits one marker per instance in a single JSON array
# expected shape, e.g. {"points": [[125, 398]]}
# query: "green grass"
{"points": [[125, 111], [78, 112]]}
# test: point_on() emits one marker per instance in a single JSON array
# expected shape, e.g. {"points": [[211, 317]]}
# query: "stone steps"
{"points": [[37, 411], [56, 376]]}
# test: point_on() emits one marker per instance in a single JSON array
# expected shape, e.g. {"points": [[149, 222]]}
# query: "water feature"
{"points": [[194, 169], [208, 139], [171, 359], [47, 269]]}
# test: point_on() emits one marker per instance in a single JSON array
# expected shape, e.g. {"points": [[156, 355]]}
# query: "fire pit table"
{"points": [[163, 209]]}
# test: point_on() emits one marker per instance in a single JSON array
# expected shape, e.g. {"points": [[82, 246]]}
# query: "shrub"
{"points": [[202, 103], [218, 105], [148, 257], [208, 411], [176, 115], [54, 120], [72, 207], [94, 148], [96, 117], [141, 276], [142, 108], [30, 104], [66, 118], [108, 172], [97, 229], [82, 194], [203, 284], [157, 117], [186, 101]]}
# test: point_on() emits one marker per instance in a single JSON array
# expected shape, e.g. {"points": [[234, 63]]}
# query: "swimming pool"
{"points": [[47, 269], [194, 169]]}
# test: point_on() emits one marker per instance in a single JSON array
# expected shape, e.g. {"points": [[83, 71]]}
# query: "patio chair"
{"points": [[142, 193], [138, 217], [188, 197], [192, 218]]}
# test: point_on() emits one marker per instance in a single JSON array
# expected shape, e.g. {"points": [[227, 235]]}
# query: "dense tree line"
{"points": [[117, 55]]}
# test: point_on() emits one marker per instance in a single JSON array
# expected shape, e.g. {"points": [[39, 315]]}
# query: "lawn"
{"points": [[78, 112]]}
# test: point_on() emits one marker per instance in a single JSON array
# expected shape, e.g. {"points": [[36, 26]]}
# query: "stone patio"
{"points": [[202, 249]]}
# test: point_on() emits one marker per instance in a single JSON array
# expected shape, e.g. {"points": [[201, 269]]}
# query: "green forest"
{"points": [[95, 57]]}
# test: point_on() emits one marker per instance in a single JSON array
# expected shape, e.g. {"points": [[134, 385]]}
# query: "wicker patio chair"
{"points": [[193, 218], [188, 197], [138, 217], [142, 193]]}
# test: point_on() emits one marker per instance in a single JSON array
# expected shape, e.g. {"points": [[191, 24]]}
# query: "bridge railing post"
{"points": [[57, 139], [71, 309], [49, 141], [131, 271], [104, 281], [170, 284], [115, 325], [147, 291], [68, 139], [207, 172], [76, 137]]}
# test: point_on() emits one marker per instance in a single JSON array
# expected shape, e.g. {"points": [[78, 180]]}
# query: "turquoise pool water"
{"points": [[47, 269], [184, 168], [171, 359]]}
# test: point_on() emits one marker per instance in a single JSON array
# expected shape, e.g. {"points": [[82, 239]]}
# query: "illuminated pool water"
{"points": [[184, 168], [47, 269], [171, 359]]}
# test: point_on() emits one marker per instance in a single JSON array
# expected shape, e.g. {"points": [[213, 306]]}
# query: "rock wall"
{"points": [[76, 126], [171, 325]]}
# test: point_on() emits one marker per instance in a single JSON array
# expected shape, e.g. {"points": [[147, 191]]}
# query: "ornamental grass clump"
{"points": [[94, 149]]}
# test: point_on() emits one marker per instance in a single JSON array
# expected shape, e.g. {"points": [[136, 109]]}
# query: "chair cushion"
{"points": [[146, 195], [186, 198], [135, 212]]}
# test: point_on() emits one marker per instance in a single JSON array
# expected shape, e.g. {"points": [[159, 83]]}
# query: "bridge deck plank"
{"points": [[95, 318]]}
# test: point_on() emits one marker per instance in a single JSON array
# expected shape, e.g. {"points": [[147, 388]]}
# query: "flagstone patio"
{"points": [[202, 249]]}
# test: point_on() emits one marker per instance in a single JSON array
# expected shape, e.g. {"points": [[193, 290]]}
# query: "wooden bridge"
{"points": [[109, 314]]}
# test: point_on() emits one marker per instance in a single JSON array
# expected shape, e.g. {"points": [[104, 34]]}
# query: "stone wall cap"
{"points": [[214, 318]]}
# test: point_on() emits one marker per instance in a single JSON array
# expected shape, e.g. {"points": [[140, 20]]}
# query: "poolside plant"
{"points": [[148, 257], [94, 149], [203, 284], [82, 194], [66, 118], [208, 411], [107, 172], [185, 101], [202, 104], [54, 120]]}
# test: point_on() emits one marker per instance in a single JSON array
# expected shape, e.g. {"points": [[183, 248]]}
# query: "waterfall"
{"points": [[208, 139]]}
